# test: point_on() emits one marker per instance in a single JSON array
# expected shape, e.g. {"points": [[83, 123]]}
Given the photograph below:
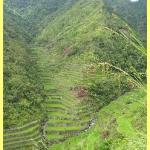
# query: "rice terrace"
{"points": [[75, 75]]}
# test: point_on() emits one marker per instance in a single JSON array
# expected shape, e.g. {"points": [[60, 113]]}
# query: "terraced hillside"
{"points": [[91, 68], [120, 126], [27, 136]]}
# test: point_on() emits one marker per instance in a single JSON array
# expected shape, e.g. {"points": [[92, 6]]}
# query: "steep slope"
{"points": [[121, 125], [86, 58], [86, 51], [95, 30], [46, 10], [133, 12], [22, 87]]}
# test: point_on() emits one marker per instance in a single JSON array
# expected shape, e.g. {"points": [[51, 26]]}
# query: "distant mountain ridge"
{"points": [[133, 13]]}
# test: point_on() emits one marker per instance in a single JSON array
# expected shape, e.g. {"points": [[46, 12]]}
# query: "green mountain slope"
{"points": [[133, 12], [121, 125], [88, 78], [22, 87], [46, 10]]}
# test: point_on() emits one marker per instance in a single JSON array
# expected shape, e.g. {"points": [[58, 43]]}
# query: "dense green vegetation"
{"points": [[133, 13], [23, 91], [74, 75], [121, 125]]}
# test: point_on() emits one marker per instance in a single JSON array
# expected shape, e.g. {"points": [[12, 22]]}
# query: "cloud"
{"points": [[134, 0]]}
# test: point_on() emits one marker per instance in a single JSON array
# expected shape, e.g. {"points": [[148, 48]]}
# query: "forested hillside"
{"points": [[74, 75], [23, 91], [132, 12]]}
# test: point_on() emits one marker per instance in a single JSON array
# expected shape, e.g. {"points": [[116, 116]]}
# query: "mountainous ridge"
{"points": [[74, 56]]}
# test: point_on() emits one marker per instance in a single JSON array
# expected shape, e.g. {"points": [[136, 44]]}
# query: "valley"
{"points": [[75, 78]]}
